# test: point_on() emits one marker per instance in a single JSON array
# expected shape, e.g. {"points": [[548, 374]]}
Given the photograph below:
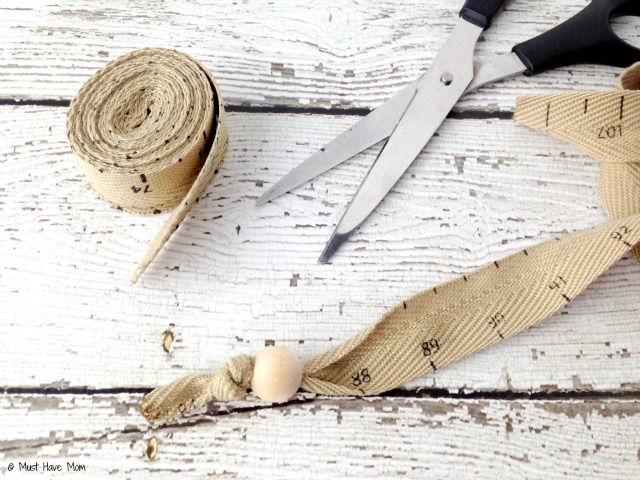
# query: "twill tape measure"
{"points": [[149, 132], [445, 323]]}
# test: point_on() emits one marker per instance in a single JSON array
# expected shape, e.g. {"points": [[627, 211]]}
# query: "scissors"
{"points": [[411, 117]]}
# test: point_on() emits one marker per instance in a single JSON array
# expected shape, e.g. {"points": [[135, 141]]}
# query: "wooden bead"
{"points": [[277, 374]]}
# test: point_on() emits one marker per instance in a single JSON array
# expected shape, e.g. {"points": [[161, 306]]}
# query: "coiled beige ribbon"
{"points": [[443, 324], [149, 132]]}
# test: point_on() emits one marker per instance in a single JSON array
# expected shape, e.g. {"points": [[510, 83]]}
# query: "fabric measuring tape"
{"points": [[443, 324], [149, 132]]}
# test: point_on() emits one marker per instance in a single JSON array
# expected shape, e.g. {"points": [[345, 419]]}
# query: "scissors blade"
{"points": [[438, 91], [379, 124], [376, 126]]}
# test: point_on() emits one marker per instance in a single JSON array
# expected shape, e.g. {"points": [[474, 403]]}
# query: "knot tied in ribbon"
{"points": [[229, 382], [443, 324]]}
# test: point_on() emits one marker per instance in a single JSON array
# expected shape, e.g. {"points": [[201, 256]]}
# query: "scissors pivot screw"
{"points": [[446, 78]]}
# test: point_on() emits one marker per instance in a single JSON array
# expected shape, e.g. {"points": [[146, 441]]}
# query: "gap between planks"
{"points": [[281, 109], [418, 393]]}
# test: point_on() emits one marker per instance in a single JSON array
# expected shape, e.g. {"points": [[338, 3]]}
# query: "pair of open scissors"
{"points": [[411, 117]]}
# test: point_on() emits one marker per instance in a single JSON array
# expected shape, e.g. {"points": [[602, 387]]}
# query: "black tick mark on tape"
{"points": [[548, 111]]}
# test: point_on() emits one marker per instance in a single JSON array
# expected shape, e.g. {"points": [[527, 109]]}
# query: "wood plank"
{"points": [[346, 54], [235, 277], [329, 438]]}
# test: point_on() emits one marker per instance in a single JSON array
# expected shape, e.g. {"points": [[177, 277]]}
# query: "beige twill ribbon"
{"points": [[149, 132], [443, 324]]}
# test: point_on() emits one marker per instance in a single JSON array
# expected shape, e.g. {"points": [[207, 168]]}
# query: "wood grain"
{"points": [[235, 277], [328, 438], [346, 54], [80, 344]]}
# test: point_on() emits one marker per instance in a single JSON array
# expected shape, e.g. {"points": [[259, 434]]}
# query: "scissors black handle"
{"points": [[481, 12], [585, 38]]}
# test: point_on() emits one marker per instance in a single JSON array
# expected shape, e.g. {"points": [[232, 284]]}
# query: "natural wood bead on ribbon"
{"points": [[149, 132], [277, 374]]}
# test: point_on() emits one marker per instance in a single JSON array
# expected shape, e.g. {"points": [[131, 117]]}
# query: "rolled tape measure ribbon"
{"points": [[443, 324], [149, 132]]}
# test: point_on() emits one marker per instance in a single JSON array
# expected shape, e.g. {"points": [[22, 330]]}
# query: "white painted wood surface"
{"points": [[236, 277], [341, 54], [328, 438]]}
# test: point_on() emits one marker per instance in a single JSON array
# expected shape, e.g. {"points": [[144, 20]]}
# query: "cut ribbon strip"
{"points": [[443, 324], [149, 132], [606, 125]]}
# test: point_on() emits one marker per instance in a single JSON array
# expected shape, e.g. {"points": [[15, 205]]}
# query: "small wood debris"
{"points": [[152, 448], [167, 341]]}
